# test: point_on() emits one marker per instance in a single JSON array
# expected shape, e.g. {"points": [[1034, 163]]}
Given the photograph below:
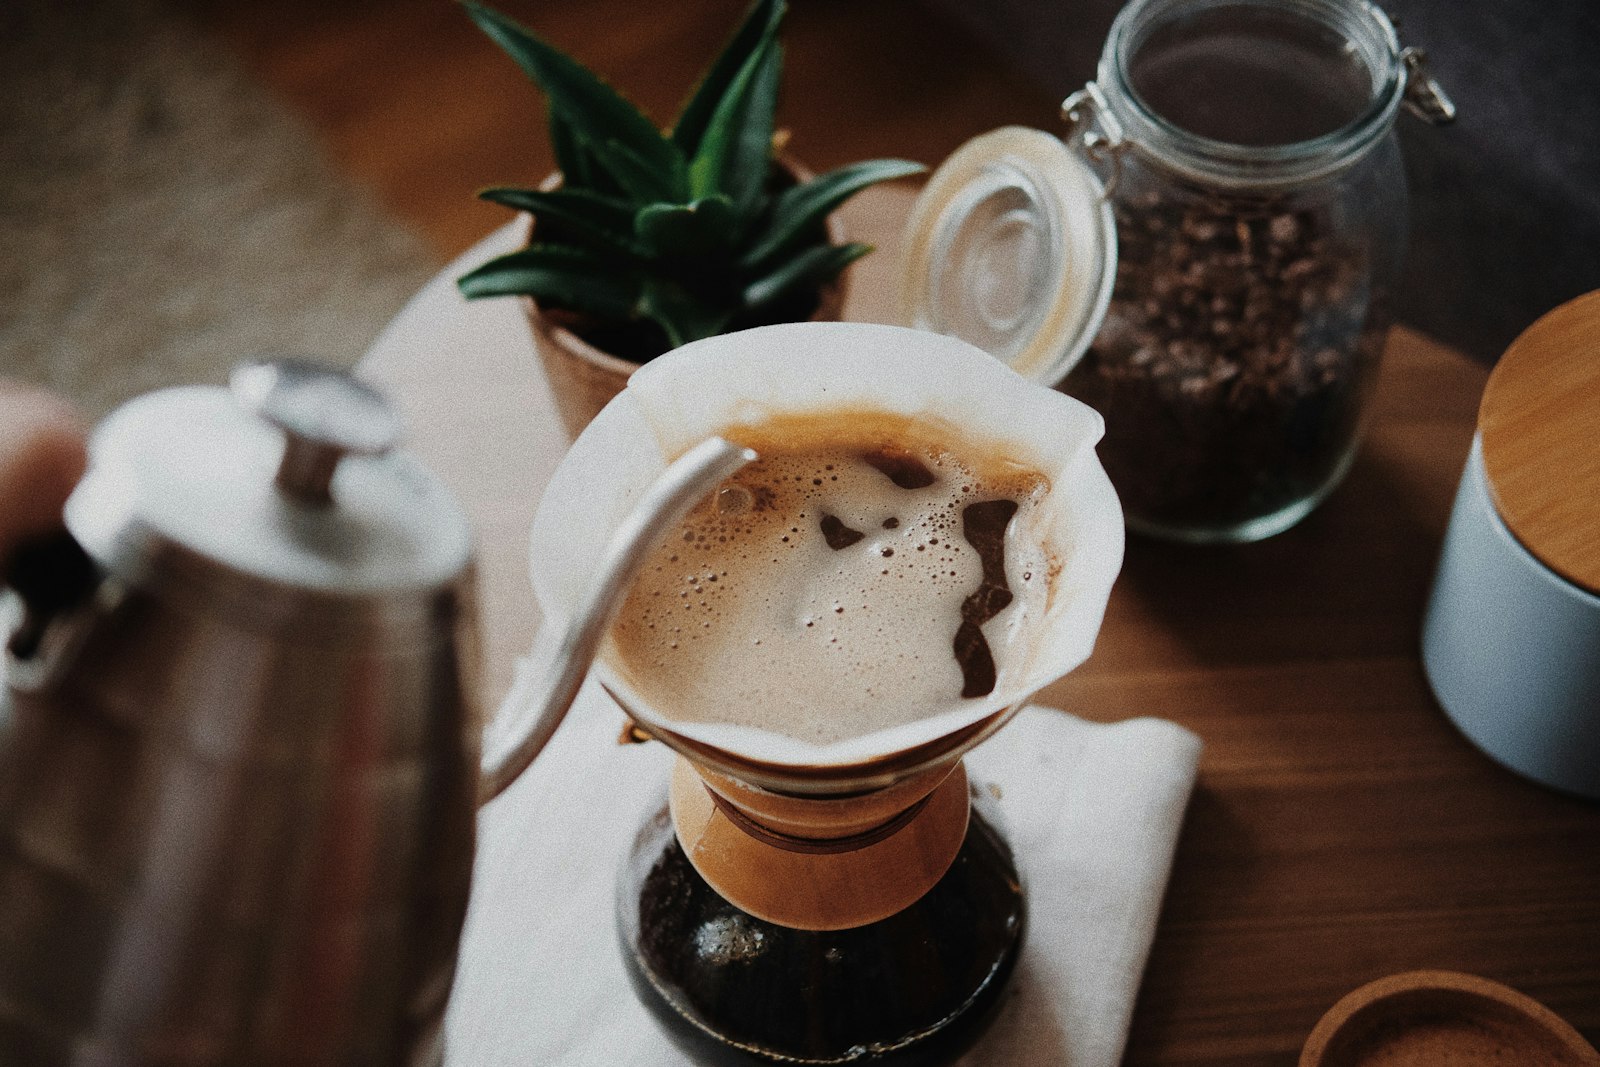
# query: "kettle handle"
{"points": [[683, 484], [46, 613], [51, 579]]}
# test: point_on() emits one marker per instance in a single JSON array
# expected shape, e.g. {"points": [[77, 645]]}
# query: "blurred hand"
{"points": [[41, 459]]}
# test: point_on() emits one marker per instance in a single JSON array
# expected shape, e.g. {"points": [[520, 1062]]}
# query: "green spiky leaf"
{"points": [[735, 155], [604, 220], [760, 24], [800, 209], [808, 270], [573, 158], [637, 176], [681, 315], [558, 275], [595, 112], [702, 228]]}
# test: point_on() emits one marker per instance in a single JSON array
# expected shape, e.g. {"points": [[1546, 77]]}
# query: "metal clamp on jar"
{"points": [[1211, 254]]}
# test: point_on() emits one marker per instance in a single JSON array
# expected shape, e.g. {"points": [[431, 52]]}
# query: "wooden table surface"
{"points": [[1342, 829]]}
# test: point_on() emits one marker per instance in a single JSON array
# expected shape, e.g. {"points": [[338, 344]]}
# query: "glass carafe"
{"points": [[831, 895], [916, 986]]}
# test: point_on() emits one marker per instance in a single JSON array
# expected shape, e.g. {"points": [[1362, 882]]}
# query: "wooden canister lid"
{"points": [[1540, 423]]}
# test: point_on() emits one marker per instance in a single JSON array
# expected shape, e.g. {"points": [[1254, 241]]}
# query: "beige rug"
{"points": [[162, 218]]}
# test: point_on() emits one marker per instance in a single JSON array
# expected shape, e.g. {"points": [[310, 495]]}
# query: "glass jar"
{"points": [[1249, 156]]}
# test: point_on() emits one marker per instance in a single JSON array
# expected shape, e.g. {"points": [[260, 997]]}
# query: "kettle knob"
{"points": [[325, 415]]}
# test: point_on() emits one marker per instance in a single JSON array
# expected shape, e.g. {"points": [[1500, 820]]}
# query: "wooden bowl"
{"points": [[1435, 1018]]}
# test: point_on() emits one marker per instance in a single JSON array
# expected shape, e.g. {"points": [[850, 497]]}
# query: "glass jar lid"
{"points": [[1012, 247]]}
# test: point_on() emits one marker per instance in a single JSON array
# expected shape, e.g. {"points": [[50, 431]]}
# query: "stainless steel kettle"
{"points": [[239, 763]]}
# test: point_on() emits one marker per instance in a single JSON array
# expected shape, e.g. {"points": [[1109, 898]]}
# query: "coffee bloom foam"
{"points": [[821, 370], [818, 593]]}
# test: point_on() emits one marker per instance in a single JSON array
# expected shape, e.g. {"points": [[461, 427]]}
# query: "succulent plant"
{"points": [[654, 239]]}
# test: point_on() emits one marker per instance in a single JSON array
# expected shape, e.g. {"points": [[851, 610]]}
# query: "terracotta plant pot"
{"points": [[583, 378]]}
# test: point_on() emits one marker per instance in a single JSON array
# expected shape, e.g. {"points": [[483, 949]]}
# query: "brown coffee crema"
{"points": [[861, 575]]}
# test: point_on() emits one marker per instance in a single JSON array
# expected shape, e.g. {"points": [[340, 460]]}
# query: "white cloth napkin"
{"points": [[1092, 811]]}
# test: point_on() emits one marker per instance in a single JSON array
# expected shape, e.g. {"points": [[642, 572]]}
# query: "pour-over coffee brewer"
{"points": [[847, 901]]}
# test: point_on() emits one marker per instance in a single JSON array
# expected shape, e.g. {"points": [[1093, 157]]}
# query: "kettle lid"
{"points": [[283, 484]]}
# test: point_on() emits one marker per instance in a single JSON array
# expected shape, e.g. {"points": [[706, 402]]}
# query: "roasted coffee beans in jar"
{"points": [[1260, 210]]}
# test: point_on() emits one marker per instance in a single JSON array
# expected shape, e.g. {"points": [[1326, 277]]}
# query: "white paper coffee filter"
{"points": [[697, 391]]}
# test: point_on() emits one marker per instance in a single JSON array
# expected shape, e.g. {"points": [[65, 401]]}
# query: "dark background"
{"points": [[1505, 202]]}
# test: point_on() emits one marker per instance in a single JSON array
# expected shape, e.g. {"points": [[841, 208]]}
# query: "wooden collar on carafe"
{"points": [[820, 863]]}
